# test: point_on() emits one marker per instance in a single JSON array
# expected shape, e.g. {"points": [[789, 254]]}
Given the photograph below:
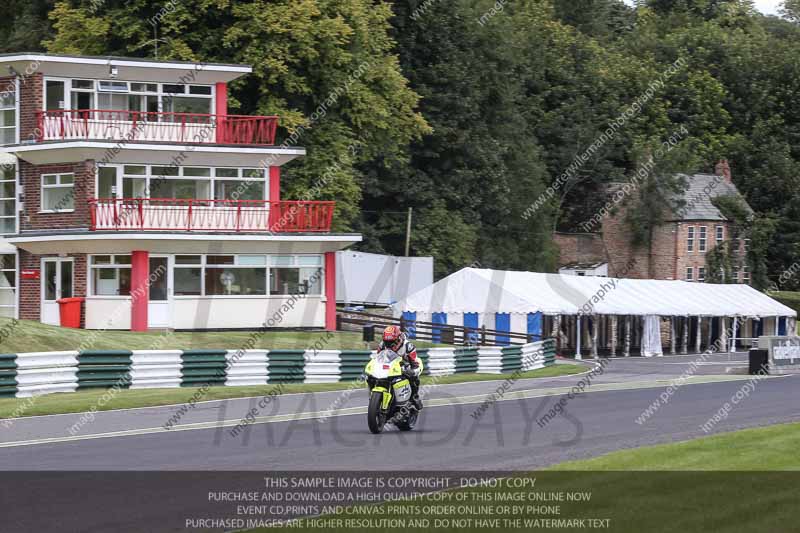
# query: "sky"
{"points": [[768, 7]]}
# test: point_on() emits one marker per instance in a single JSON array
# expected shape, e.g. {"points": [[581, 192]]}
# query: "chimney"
{"points": [[723, 169]]}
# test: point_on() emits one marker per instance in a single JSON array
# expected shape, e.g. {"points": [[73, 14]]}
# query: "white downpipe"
{"points": [[578, 333]]}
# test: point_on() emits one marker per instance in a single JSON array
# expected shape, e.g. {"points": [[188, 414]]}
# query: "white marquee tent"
{"points": [[496, 291], [492, 292]]}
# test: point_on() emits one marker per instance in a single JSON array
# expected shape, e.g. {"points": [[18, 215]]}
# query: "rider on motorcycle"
{"points": [[397, 341]]}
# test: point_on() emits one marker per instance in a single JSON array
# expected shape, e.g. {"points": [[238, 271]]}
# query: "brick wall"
{"points": [[83, 190], [579, 248], [623, 258], [31, 93], [696, 258], [30, 293]]}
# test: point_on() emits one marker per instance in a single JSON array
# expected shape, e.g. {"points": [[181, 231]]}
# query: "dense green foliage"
{"points": [[467, 110]]}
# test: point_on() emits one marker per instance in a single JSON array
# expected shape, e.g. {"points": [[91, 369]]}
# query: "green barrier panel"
{"points": [[203, 367], [104, 368], [512, 358], [422, 353], [286, 366], [352, 364], [466, 359], [8, 375]]}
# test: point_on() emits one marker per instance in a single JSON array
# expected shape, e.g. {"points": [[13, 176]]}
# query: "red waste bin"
{"points": [[69, 310]]}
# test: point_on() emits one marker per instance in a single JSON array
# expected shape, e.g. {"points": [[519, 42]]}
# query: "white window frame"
{"points": [[113, 265], [203, 265], [745, 275], [690, 237], [701, 274], [160, 92], [702, 239], [15, 199], [57, 185], [719, 234], [148, 176], [15, 288], [689, 273], [16, 112]]}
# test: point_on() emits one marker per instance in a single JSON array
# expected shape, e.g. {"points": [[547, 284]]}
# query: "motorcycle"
{"points": [[390, 393]]}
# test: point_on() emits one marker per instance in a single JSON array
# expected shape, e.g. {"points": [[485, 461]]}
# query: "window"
{"points": [[745, 275], [8, 199], [129, 96], [188, 275], [235, 275], [703, 238], [111, 275], [188, 183], [701, 274], [720, 234], [736, 273], [746, 245], [689, 273], [82, 94], [8, 285], [8, 114], [57, 192], [295, 274], [690, 239], [247, 275]]}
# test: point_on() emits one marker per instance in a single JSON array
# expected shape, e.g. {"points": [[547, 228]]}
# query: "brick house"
{"points": [[679, 246], [126, 182]]}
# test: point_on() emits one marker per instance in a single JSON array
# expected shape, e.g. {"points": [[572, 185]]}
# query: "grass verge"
{"points": [[32, 336], [81, 401], [739, 482]]}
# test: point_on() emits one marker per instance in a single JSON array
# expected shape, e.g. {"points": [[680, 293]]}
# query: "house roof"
{"points": [[700, 191]]}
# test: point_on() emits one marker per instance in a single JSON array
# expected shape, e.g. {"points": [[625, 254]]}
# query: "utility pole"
{"points": [[408, 231]]}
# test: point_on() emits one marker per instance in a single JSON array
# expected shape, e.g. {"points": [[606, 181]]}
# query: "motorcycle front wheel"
{"points": [[376, 419]]}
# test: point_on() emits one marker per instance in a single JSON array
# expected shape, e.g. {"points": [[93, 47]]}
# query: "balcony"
{"points": [[170, 214], [193, 128]]}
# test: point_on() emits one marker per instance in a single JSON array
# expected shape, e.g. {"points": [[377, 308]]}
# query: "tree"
{"points": [[326, 67]]}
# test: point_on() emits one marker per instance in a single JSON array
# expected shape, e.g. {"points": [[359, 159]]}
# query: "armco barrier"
{"points": [[352, 363], [201, 367], [27, 374], [286, 366], [246, 367], [45, 372], [466, 359], [441, 361], [104, 368], [152, 369], [512, 359], [538, 355], [323, 366], [8, 374]]}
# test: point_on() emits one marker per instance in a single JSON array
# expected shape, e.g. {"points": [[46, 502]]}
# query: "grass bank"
{"points": [[739, 482], [81, 401], [32, 336]]}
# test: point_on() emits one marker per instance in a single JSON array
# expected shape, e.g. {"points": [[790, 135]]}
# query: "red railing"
{"points": [[170, 214], [95, 124]]}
